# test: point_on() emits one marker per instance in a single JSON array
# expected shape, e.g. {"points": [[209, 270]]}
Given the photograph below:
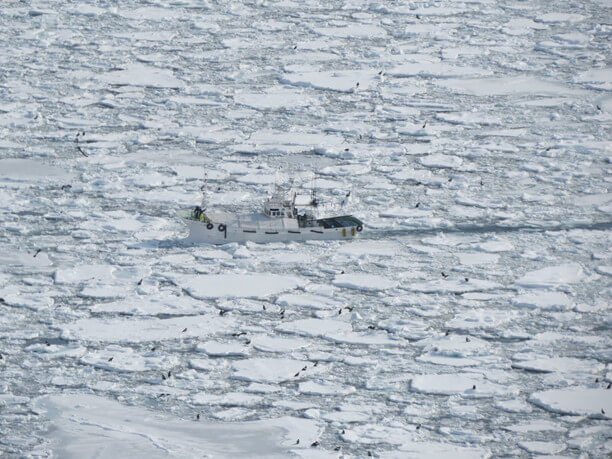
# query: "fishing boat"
{"points": [[281, 220]]}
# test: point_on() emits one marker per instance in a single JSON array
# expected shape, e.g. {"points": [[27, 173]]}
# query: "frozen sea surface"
{"points": [[472, 318]]}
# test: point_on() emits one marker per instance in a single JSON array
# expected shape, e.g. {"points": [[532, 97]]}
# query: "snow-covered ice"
{"points": [[470, 317], [575, 401], [81, 424], [553, 276], [237, 285]]}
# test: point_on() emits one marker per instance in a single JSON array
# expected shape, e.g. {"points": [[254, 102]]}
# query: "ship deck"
{"points": [[253, 221], [344, 221]]}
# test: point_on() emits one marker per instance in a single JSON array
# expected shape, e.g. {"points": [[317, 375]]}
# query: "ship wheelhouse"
{"points": [[277, 206]]}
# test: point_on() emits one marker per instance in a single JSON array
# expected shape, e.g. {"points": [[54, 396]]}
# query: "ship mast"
{"points": [[204, 190]]}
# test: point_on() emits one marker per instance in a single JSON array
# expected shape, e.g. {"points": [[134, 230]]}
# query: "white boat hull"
{"points": [[218, 233]]}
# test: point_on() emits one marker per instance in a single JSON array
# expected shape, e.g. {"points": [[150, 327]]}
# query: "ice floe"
{"points": [[83, 273], [217, 349], [453, 286], [266, 343], [364, 281], [441, 161], [136, 74], [482, 319], [474, 138], [227, 399], [546, 300], [118, 330], [339, 80], [380, 433], [259, 285], [416, 449], [116, 358], [309, 300], [435, 70], [18, 170], [507, 86], [313, 388], [542, 447], [560, 365], [468, 385], [315, 327], [577, 401], [81, 422], [553, 276], [271, 371]]}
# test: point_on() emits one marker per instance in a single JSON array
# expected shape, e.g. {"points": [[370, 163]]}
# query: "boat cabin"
{"points": [[278, 207]]}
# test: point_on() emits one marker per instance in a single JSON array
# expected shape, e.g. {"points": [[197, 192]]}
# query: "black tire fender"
{"points": [[209, 226], [222, 227], [359, 228]]}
